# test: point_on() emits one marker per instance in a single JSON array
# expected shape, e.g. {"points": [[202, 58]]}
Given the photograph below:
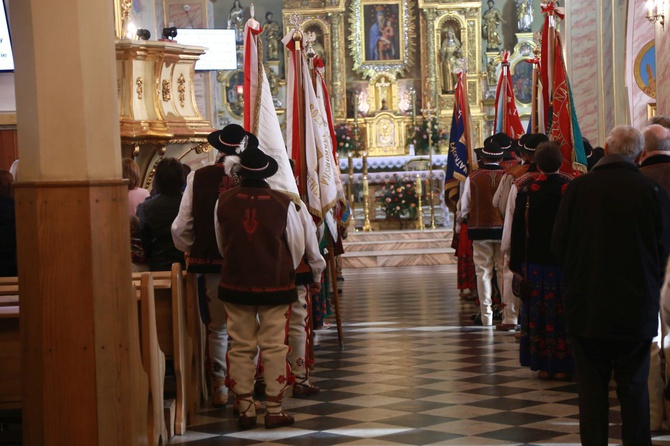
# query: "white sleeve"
{"points": [[182, 226], [465, 199], [295, 235], [502, 193], [496, 196], [316, 262], [506, 243], [217, 229]]}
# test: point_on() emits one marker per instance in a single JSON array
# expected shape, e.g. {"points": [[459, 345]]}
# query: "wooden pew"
{"points": [[174, 341], [153, 361], [198, 391], [10, 358]]}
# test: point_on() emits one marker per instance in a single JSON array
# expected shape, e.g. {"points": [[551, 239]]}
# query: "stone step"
{"points": [[413, 235], [400, 257], [394, 245]]}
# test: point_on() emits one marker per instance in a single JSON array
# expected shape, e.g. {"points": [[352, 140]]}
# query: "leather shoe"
{"points": [[273, 421], [236, 407], [245, 423], [305, 389], [505, 327]]}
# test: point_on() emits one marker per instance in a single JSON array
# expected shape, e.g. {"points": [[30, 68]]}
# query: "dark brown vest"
{"points": [[517, 170], [208, 182], [257, 264], [485, 222]]}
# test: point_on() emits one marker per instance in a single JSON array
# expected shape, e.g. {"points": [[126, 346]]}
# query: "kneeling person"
{"points": [[261, 240]]}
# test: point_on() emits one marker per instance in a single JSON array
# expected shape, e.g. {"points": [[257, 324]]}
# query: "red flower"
{"points": [[534, 187], [542, 177]]}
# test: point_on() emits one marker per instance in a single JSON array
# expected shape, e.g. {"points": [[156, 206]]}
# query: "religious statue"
{"points": [[491, 66], [272, 36], [492, 18], [449, 52], [524, 15], [273, 81], [236, 21]]}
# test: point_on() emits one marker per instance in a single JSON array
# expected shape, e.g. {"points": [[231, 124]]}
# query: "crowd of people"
{"points": [[574, 263], [223, 223]]}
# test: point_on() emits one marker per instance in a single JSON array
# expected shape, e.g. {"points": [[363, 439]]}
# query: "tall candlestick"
{"points": [[356, 109], [413, 107], [352, 204], [419, 211], [366, 203]]}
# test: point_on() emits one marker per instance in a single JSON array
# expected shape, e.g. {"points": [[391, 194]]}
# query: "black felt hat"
{"points": [[490, 150], [255, 164], [505, 142], [228, 139], [531, 142]]}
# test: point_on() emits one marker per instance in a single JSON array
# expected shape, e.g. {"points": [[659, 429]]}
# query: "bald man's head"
{"points": [[656, 139]]}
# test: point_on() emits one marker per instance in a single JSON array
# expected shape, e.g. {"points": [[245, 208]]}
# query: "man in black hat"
{"points": [[261, 239], [193, 233], [484, 224], [527, 146]]}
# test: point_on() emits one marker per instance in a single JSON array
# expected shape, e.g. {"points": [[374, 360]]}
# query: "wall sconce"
{"points": [[656, 11]]}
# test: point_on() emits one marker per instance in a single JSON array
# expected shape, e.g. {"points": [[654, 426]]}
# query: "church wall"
{"points": [[7, 96], [581, 45], [663, 65], [595, 49], [640, 34]]}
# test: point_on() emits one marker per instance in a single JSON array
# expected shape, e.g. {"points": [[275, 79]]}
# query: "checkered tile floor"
{"points": [[415, 372]]}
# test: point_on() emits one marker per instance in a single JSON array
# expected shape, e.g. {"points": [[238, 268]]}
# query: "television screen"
{"points": [[6, 55], [221, 53]]}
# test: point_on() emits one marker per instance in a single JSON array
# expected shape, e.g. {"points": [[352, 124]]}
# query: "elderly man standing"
{"points": [[655, 163], [612, 234]]}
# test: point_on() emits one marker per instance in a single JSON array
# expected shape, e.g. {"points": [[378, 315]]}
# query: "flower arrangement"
{"points": [[418, 135], [344, 133], [398, 198]]}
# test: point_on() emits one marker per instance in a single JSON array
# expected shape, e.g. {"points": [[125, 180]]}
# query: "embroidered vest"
{"points": [[208, 182], [257, 265], [485, 222]]}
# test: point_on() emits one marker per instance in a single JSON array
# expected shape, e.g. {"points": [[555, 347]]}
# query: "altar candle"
{"points": [[356, 109], [365, 186], [419, 189], [413, 107]]}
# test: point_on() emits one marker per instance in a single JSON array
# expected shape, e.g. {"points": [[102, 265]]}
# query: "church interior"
{"points": [[93, 352]]}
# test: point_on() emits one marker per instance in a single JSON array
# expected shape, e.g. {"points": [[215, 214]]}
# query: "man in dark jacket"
{"points": [[612, 234]]}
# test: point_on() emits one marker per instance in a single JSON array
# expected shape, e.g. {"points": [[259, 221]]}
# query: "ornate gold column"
{"points": [[339, 89], [431, 91], [80, 354]]}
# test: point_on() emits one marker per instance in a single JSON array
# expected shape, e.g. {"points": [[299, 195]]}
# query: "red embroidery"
{"points": [[250, 222]]}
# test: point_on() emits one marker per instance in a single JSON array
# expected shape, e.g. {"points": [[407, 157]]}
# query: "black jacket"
{"points": [[545, 194], [156, 215], [7, 238], [612, 233]]}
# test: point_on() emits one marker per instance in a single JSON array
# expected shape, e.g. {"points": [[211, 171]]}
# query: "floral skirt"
{"points": [[467, 279], [544, 342]]}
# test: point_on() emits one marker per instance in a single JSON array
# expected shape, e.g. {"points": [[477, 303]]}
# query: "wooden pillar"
{"points": [[78, 351]]}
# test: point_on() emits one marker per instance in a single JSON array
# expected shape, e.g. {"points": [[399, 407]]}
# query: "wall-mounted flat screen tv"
{"points": [[221, 51], [6, 54]]}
